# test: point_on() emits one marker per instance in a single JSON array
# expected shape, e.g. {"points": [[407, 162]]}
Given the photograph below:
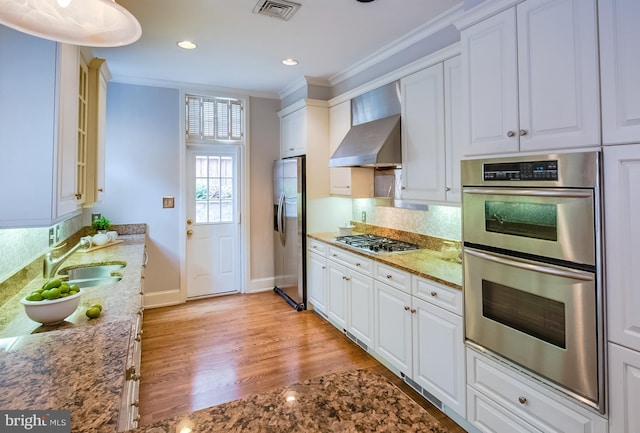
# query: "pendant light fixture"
{"points": [[91, 23]]}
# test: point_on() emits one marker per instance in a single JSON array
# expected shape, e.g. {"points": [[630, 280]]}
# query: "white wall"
{"points": [[264, 128], [142, 166]]}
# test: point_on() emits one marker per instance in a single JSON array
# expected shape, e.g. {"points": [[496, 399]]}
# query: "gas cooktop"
{"points": [[376, 244]]}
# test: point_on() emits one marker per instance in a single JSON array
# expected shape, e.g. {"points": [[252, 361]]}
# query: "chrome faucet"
{"points": [[51, 265]]}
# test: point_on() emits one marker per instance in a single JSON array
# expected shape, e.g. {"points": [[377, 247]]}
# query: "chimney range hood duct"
{"points": [[374, 137]]}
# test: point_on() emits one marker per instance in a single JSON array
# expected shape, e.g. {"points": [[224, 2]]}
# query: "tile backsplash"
{"points": [[439, 221], [23, 248]]}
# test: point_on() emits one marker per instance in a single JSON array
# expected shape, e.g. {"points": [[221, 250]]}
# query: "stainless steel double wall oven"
{"points": [[533, 267]]}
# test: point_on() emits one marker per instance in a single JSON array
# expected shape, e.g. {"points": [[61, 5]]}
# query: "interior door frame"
{"points": [[243, 191]]}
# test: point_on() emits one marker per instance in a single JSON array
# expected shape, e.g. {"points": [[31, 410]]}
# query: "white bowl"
{"points": [[346, 230], [51, 312]]}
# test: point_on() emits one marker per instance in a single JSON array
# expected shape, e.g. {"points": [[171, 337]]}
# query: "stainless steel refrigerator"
{"points": [[289, 230]]}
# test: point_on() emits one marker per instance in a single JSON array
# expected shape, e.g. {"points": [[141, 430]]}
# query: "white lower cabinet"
{"points": [[624, 390], [129, 407], [438, 354], [393, 326], [317, 276], [422, 340], [350, 294], [502, 400]]}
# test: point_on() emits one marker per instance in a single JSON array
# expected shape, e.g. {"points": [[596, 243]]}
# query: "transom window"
{"points": [[214, 119]]}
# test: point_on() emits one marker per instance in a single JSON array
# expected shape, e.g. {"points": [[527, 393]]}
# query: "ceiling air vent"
{"points": [[276, 8]]}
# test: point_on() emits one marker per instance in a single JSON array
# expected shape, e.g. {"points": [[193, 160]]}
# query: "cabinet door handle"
{"points": [[522, 400], [324, 267], [510, 133], [523, 132], [447, 188], [78, 196], [406, 308], [413, 311]]}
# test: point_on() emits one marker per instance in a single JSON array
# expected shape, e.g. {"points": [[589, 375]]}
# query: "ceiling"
{"points": [[239, 49]]}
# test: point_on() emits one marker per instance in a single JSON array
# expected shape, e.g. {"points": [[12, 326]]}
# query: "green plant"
{"points": [[101, 223]]}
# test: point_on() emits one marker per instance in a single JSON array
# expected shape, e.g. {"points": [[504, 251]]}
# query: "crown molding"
{"points": [[397, 74], [219, 91], [427, 29], [483, 11]]}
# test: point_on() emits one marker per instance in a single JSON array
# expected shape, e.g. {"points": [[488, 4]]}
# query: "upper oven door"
{"points": [[557, 223]]}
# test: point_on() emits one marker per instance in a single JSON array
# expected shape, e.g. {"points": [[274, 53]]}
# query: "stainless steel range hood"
{"points": [[374, 137]]}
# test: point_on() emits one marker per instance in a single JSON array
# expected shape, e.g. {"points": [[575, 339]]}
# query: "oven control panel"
{"points": [[514, 171]]}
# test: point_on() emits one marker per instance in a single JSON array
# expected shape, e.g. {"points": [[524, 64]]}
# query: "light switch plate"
{"points": [[167, 202]]}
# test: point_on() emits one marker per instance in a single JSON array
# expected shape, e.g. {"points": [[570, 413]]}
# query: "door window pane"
{"points": [[214, 194]]}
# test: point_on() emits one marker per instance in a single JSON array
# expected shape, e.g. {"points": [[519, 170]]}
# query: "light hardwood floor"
{"points": [[211, 351]]}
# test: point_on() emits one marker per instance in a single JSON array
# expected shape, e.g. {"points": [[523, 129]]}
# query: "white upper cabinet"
{"points": [[346, 181], [622, 212], [293, 134], [490, 86], [99, 75], [620, 69], [72, 130], [423, 149], [453, 121], [431, 136], [38, 130], [530, 78]]}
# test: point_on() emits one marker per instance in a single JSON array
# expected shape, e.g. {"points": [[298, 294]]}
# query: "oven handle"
{"points": [[530, 192], [565, 273]]}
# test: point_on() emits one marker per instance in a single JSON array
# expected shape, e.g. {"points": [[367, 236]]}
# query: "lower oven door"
{"points": [[540, 316]]}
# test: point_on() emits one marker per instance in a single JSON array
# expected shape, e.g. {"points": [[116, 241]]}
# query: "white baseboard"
{"points": [[162, 299], [260, 285]]}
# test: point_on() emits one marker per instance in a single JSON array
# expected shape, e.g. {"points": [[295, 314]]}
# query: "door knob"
{"points": [[189, 232], [189, 222]]}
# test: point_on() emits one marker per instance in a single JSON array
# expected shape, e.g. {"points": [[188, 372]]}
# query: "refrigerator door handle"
{"points": [[281, 219]]}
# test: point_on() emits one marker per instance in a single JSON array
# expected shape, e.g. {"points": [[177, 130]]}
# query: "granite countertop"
{"points": [[78, 365], [423, 262], [347, 402]]}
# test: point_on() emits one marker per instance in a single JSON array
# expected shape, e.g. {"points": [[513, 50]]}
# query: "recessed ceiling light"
{"points": [[187, 45], [290, 62]]}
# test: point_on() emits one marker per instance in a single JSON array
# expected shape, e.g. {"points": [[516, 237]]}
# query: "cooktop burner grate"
{"points": [[376, 244]]}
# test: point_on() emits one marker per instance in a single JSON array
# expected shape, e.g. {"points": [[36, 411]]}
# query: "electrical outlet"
{"points": [[51, 236], [364, 216]]}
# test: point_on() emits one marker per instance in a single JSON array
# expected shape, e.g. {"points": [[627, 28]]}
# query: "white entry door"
{"points": [[213, 241]]}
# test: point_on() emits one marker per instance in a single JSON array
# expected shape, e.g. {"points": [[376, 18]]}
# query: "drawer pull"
{"points": [[413, 311], [358, 265], [334, 255], [389, 276], [522, 400], [135, 403], [434, 294], [406, 308]]}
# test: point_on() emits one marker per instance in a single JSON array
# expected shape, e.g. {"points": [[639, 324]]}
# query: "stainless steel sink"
{"points": [[95, 275]]}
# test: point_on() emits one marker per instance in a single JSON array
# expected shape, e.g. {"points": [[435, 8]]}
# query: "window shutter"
{"points": [[214, 119]]}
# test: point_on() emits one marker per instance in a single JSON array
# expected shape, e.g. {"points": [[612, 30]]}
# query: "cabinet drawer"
{"points": [[316, 246], [445, 297], [528, 401], [350, 260], [393, 276], [489, 417]]}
